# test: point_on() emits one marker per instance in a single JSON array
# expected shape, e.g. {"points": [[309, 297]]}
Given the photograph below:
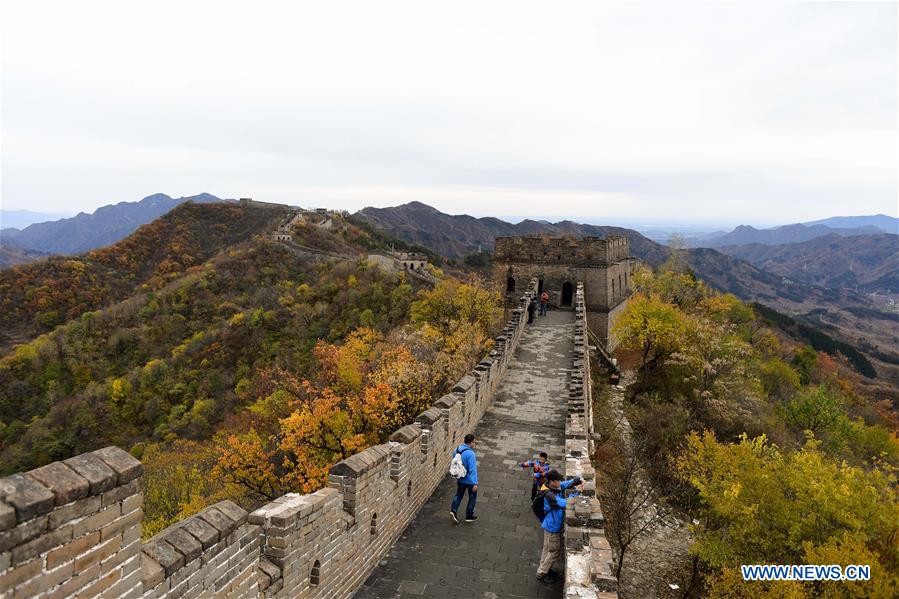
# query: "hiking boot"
{"points": [[471, 518], [455, 519]]}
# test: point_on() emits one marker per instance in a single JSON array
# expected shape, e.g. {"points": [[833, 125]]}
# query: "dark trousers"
{"points": [[543, 309], [534, 488], [472, 498]]}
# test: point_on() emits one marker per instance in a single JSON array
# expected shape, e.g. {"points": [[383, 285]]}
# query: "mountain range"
{"points": [[145, 260], [85, 232], [455, 236], [868, 263], [798, 287], [847, 226], [888, 224], [19, 219]]}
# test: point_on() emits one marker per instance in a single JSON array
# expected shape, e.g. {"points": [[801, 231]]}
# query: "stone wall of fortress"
{"points": [[588, 555], [72, 528]]}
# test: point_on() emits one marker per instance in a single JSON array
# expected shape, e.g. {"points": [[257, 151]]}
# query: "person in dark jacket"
{"points": [[532, 309], [540, 467], [554, 503], [468, 483]]}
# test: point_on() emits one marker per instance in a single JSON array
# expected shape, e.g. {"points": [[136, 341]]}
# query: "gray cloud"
{"points": [[755, 112]]}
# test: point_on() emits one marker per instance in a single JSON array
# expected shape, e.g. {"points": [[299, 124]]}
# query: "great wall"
{"points": [[72, 528]]}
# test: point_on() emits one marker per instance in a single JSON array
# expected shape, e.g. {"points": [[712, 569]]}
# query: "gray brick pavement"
{"points": [[496, 556]]}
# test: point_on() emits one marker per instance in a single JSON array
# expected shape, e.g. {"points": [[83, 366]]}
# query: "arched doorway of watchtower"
{"points": [[539, 287], [567, 294]]}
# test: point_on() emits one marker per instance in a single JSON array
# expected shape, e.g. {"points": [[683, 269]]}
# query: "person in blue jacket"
{"points": [[469, 482], [553, 520]]}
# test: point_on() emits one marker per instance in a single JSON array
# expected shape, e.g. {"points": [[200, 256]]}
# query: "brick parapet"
{"points": [[325, 544], [72, 528], [588, 556], [213, 552]]}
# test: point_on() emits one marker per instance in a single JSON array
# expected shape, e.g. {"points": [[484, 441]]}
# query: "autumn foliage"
{"points": [[363, 390], [766, 444]]}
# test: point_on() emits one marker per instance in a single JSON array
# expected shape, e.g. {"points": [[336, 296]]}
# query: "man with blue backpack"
{"points": [[464, 468], [549, 507]]}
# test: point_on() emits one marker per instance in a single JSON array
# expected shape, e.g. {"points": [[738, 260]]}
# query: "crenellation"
{"points": [[588, 570], [65, 541], [72, 528], [558, 264]]}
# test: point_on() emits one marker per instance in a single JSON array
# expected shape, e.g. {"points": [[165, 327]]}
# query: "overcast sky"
{"points": [[702, 112]]}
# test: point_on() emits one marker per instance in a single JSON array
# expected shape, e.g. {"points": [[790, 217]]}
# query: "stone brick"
{"points": [[73, 584], [132, 503], [204, 532], [270, 570], [62, 481], [183, 542], [152, 572], [22, 533], [599, 542], [117, 526], [126, 466], [98, 554], [130, 583], [407, 434], [127, 558], [96, 589], [100, 476], [97, 521], [121, 493], [20, 574], [237, 514], [131, 534], [69, 551], [7, 516], [165, 555], [26, 495], [41, 544], [76, 509], [43, 583], [217, 519]]}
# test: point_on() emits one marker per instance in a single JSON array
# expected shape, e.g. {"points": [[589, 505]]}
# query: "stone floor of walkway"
{"points": [[496, 556]]}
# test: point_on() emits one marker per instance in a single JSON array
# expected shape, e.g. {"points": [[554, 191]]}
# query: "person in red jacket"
{"points": [[541, 468], [544, 303]]}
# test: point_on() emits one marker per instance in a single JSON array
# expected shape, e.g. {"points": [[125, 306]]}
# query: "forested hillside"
{"points": [[771, 449], [242, 376], [864, 262], [36, 297], [105, 226]]}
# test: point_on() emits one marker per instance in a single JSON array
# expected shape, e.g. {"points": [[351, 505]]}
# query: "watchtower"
{"points": [[603, 264]]}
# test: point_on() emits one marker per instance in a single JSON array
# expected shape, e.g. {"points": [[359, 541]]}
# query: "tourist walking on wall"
{"points": [[552, 520], [464, 468], [544, 303], [540, 467], [532, 309]]}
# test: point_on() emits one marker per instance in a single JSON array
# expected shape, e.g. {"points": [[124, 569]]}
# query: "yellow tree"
{"points": [[759, 505], [652, 326], [451, 304]]}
